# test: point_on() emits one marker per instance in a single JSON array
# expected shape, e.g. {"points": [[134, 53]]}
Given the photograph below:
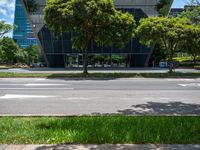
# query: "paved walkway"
{"points": [[100, 147], [97, 70]]}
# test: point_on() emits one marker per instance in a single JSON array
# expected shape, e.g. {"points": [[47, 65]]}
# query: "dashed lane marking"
{"points": [[13, 96], [190, 85], [36, 88]]}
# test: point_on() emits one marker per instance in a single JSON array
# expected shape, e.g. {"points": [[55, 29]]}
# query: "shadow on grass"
{"points": [[121, 147], [128, 129]]}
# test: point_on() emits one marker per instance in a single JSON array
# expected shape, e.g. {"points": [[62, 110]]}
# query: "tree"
{"points": [[91, 20], [32, 54], [4, 28], [193, 14], [167, 32], [8, 50], [191, 42]]}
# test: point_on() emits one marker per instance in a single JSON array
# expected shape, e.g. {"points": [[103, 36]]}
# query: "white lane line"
{"points": [[190, 85], [41, 79], [36, 88], [37, 84], [181, 80], [11, 84], [13, 96]]}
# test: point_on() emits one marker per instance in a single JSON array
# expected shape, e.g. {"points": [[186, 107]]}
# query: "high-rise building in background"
{"points": [[22, 33], [59, 52]]}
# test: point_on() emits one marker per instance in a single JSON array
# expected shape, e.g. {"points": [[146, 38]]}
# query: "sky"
{"points": [[7, 9]]}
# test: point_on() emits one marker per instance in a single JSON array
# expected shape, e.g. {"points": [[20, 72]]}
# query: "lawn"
{"points": [[197, 67], [185, 59], [100, 130]]}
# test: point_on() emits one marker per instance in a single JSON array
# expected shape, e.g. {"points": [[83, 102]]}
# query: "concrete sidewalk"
{"points": [[100, 147]]}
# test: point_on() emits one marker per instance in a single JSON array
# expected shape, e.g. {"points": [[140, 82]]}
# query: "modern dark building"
{"points": [[174, 12], [22, 33], [59, 52]]}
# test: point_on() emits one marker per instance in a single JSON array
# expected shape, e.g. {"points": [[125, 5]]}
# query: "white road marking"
{"points": [[36, 84], [36, 88], [11, 84], [79, 98], [181, 80], [13, 96], [190, 85], [41, 79]]}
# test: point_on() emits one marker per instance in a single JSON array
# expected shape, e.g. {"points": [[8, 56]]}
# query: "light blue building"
{"points": [[22, 33]]}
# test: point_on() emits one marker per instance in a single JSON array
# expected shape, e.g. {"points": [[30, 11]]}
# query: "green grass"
{"points": [[197, 67], [100, 130], [185, 59], [101, 75]]}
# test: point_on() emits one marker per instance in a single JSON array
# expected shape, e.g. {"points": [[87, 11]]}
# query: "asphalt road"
{"points": [[137, 96]]}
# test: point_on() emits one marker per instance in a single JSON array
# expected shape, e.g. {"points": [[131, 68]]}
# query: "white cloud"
{"points": [[7, 9], [3, 11]]}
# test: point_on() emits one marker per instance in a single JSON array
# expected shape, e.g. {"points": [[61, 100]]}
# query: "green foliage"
{"points": [[32, 54], [191, 41], [162, 7], [167, 32], [91, 20], [4, 28], [9, 51], [31, 5], [197, 67], [193, 14]]}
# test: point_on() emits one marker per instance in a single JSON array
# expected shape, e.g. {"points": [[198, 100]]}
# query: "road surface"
{"points": [[134, 96]]}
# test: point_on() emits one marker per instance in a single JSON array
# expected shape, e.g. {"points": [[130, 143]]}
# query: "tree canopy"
{"points": [[167, 32], [8, 50], [191, 41], [193, 14], [32, 54], [91, 20], [4, 28]]}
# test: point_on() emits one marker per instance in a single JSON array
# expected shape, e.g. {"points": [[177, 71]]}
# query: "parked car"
{"points": [[37, 65]]}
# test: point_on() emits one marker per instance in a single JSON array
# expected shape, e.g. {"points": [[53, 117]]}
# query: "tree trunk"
{"points": [[170, 62], [85, 64], [194, 60]]}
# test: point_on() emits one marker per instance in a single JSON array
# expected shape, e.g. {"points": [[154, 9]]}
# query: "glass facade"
{"points": [[22, 33], [57, 51]]}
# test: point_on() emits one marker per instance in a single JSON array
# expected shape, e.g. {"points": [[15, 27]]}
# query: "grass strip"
{"points": [[100, 130], [197, 67], [100, 75]]}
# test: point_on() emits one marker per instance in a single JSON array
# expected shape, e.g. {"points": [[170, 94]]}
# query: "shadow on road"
{"points": [[155, 108]]}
